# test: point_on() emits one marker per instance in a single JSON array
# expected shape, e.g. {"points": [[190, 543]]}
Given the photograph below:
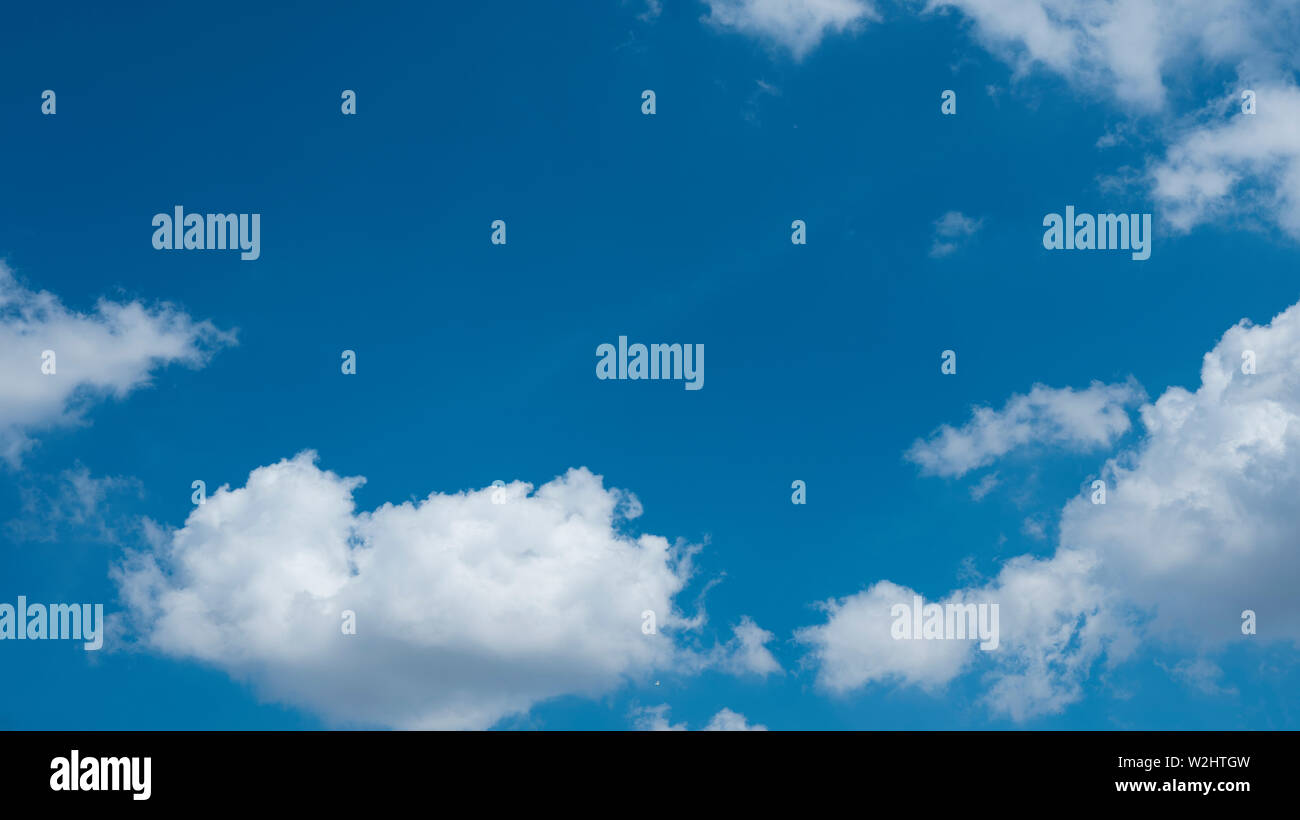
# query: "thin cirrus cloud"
{"points": [[467, 611], [1198, 526], [73, 503], [104, 353]]}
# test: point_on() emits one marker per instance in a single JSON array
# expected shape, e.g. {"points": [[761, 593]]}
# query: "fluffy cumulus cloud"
{"points": [[107, 352], [1073, 419], [466, 610], [1057, 624], [796, 25], [1199, 524], [855, 647], [1054, 624]]}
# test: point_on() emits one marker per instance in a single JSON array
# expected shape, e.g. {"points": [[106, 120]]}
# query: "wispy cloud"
{"points": [[950, 231], [655, 719], [795, 25], [57, 362], [1066, 418]]}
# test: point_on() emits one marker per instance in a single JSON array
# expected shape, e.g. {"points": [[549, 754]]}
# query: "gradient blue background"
{"points": [[476, 362]]}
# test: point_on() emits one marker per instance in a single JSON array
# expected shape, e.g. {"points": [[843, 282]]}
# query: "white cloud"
{"points": [[72, 504], [1129, 48], [105, 353], [655, 719], [1199, 524], [1135, 52], [746, 653], [1055, 622], [1116, 135], [1245, 163], [854, 646], [950, 230], [1201, 674], [1034, 527], [729, 721], [467, 611], [1200, 520], [797, 25], [1073, 419], [986, 485]]}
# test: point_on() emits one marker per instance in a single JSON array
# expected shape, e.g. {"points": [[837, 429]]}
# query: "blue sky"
{"points": [[476, 361]]}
